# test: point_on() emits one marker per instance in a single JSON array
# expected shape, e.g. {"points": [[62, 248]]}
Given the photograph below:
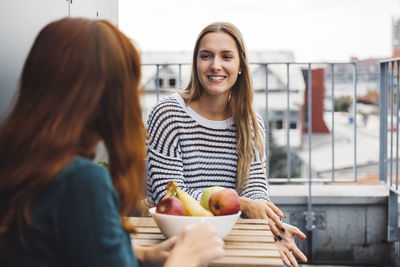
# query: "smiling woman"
{"points": [[209, 135]]}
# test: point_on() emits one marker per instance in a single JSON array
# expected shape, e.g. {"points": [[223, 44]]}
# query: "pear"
{"points": [[191, 205], [207, 194]]}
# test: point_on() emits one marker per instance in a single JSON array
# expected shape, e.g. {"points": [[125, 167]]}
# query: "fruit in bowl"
{"points": [[172, 224], [224, 202], [205, 197], [192, 207], [172, 206]]}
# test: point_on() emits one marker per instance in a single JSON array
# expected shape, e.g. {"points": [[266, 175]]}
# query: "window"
{"points": [[279, 124]]}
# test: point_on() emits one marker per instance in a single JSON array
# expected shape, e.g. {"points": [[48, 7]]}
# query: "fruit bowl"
{"points": [[171, 225]]}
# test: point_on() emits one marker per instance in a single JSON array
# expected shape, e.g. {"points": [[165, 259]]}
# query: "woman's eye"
{"points": [[227, 57], [204, 56]]}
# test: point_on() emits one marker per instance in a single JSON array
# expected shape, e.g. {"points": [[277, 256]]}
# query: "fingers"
{"points": [[292, 259], [170, 242], [299, 254], [284, 258], [201, 242], [275, 231], [273, 217], [275, 209], [298, 233]]}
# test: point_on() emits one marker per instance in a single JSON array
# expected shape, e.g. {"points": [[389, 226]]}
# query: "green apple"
{"points": [[206, 195]]}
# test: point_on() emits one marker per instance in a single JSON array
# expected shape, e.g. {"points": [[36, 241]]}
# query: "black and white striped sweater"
{"points": [[195, 152]]}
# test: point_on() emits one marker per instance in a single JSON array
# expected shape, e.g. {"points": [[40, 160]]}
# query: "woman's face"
{"points": [[218, 63]]}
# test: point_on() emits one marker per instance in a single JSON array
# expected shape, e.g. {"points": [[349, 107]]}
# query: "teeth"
{"points": [[216, 78]]}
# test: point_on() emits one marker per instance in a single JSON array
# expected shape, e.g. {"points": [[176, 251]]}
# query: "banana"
{"points": [[170, 190], [191, 205]]}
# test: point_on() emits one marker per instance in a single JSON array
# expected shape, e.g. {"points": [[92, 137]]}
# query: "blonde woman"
{"points": [[208, 134]]}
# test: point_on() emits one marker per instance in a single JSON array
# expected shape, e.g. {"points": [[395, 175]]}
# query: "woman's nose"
{"points": [[216, 64]]}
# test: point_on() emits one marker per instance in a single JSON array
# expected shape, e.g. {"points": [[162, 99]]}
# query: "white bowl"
{"points": [[171, 225]]}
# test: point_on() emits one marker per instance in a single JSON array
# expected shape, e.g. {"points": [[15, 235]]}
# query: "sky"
{"points": [[314, 30]]}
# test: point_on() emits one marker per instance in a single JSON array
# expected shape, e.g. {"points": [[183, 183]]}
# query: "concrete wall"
{"points": [[20, 22], [354, 227]]}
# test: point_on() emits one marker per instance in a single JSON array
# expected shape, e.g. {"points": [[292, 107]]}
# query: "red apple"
{"points": [[171, 206], [224, 202]]}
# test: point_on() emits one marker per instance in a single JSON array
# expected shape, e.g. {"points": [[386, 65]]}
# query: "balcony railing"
{"points": [[279, 78], [276, 79]]}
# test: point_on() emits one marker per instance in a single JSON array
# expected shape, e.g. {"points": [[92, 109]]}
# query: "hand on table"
{"points": [[261, 209], [286, 245]]}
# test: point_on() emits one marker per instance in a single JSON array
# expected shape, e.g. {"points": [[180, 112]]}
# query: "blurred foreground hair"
{"points": [[79, 85]]}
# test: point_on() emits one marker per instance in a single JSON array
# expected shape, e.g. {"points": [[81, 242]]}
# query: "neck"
{"points": [[212, 107]]}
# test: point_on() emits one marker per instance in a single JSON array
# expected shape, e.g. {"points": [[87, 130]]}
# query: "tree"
{"points": [[278, 161], [343, 103]]}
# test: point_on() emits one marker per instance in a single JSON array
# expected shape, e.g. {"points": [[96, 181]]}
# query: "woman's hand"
{"points": [[284, 233], [287, 246], [155, 255], [196, 245], [261, 209]]}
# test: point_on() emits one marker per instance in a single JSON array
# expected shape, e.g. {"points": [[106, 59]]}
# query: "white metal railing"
{"points": [[285, 80], [389, 109]]}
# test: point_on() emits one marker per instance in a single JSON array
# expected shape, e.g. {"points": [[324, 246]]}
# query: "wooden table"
{"points": [[250, 243]]}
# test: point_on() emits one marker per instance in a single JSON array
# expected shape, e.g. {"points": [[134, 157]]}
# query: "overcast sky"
{"points": [[315, 30]]}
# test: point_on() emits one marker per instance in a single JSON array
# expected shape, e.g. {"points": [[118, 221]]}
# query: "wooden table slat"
{"points": [[230, 245], [246, 261], [250, 232], [252, 221], [252, 253], [242, 226], [267, 239], [250, 243]]}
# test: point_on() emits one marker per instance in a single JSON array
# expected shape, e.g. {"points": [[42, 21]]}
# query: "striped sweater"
{"points": [[195, 152]]}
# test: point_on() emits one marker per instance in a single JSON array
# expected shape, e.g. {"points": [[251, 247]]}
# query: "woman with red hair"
{"points": [[79, 85]]}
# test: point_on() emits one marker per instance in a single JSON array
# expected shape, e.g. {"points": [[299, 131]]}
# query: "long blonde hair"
{"points": [[240, 103]]}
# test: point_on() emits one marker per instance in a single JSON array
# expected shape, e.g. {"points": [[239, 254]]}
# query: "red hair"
{"points": [[79, 84]]}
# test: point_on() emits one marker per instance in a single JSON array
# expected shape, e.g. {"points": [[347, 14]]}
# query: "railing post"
{"points": [[383, 124], [386, 89], [310, 225], [158, 82], [180, 77], [288, 123], [333, 120], [267, 130], [355, 118]]}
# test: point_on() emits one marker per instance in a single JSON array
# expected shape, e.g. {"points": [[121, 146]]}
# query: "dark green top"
{"points": [[78, 220]]}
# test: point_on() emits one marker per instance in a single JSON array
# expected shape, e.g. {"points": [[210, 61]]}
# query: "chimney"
{"points": [[317, 99]]}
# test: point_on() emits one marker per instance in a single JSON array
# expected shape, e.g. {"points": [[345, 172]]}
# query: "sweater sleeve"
{"points": [[257, 187], [89, 225], [164, 161]]}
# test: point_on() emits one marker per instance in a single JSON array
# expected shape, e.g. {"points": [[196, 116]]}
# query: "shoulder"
{"points": [[167, 105], [167, 112], [81, 173]]}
